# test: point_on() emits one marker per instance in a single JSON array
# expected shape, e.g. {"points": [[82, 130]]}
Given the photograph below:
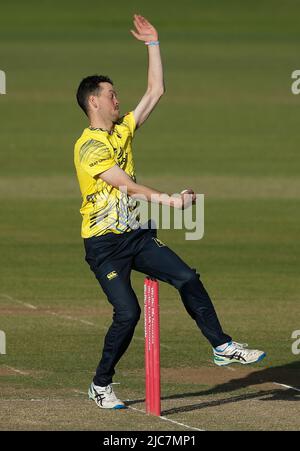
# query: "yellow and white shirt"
{"points": [[104, 208]]}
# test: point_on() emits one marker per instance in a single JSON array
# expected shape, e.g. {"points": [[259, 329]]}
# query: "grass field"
{"points": [[228, 126]]}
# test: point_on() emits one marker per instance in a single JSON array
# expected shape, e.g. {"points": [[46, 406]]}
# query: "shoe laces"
{"points": [[239, 345], [106, 392], [242, 349]]}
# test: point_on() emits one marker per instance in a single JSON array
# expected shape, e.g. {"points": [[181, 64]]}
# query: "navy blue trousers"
{"points": [[112, 257]]}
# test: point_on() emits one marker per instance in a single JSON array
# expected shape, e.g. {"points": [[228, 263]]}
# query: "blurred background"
{"points": [[228, 126]]}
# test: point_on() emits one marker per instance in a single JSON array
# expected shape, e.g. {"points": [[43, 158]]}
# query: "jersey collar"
{"points": [[101, 130]]}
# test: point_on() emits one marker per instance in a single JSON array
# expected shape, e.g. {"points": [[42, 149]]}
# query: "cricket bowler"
{"points": [[114, 240]]}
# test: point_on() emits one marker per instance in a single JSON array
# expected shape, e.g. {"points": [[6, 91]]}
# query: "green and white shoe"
{"points": [[236, 353], [105, 397]]}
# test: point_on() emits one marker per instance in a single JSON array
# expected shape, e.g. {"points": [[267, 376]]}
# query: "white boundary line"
{"points": [[287, 386], [69, 318], [168, 419], [16, 370], [26, 304], [142, 411]]}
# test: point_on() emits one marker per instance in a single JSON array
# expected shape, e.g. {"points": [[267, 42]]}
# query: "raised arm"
{"points": [[147, 33]]}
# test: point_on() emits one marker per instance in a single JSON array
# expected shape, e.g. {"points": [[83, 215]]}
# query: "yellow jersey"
{"points": [[105, 209]]}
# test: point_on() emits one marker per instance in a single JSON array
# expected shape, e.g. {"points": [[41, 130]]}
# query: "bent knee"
{"points": [[130, 317], [189, 276]]}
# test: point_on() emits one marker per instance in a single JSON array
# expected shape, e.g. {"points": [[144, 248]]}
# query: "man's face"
{"points": [[108, 104]]}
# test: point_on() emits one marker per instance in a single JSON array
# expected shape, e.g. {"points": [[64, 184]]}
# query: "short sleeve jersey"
{"points": [[104, 208]]}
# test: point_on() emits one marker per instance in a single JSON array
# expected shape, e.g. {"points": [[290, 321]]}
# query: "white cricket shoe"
{"points": [[237, 353], [105, 397]]}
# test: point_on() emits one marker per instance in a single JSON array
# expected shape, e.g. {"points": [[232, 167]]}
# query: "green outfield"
{"points": [[228, 127]]}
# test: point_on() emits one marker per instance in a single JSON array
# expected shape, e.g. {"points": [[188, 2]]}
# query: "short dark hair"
{"points": [[89, 85]]}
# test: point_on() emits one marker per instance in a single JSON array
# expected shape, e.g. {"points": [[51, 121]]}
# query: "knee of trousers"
{"points": [[187, 277], [128, 317], [193, 288]]}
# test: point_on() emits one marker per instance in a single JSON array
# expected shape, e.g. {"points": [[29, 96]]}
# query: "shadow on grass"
{"points": [[287, 375]]}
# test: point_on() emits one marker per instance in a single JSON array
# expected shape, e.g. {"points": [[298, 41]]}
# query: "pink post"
{"points": [[156, 349], [147, 346], [152, 346]]}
